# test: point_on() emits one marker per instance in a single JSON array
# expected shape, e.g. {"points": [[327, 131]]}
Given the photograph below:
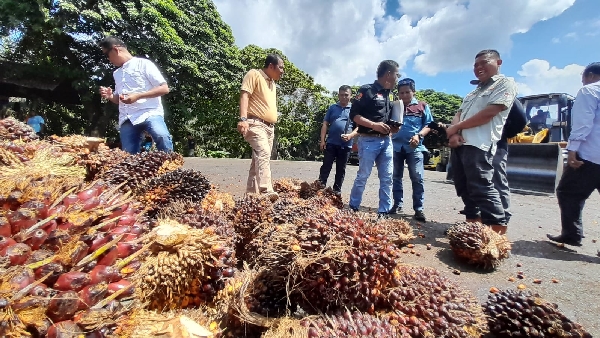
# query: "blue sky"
{"points": [[572, 37], [545, 44]]}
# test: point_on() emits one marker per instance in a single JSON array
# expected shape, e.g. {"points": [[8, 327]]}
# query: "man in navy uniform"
{"points": [[339, 139]]}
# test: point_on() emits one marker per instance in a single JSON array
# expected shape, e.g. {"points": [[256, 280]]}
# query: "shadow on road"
{"points": [[549, 250]]}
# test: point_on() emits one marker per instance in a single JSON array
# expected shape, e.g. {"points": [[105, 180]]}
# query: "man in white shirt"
{"points": [[138, 88], [474, 133], [582, 174]]}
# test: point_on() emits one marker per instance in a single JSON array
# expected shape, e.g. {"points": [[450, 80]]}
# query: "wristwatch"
{"points": [[243, 119], [420, 136]]}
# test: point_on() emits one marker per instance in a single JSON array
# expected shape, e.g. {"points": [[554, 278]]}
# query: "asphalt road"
{"points": [[577, 269]]}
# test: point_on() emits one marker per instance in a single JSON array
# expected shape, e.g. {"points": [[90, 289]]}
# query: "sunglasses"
{"points": [[109, 50]]}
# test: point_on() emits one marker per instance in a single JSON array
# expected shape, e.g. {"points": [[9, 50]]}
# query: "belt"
{"points": [[268, 124], [374, 135]]}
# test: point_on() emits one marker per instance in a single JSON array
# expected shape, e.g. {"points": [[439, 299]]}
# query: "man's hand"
{"points": [[452, 130], [323, 145], [455, 141], [106, 93], [130, 98], [414, 141], [242, 127], [573, 161], [381, 128]]}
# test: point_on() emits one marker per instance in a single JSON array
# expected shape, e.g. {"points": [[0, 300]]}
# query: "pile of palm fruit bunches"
{"points": [[98, 243]]}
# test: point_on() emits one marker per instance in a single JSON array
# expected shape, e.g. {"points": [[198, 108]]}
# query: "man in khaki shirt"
{"points": [[258, 115], [474, 133]]}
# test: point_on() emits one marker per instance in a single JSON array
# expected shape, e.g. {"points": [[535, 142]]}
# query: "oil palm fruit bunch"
{"points": [[136, 169], [178, 185], [478, 244], [187, 267], [12, 154], [332, 262], [351, 324], [430, 304], [142, 323], [217, 202], [308, 190], [47, 171], [328, 198], [287, 187], [198, 217], [99, 161], [521, 314], [13, 129], [291, 210], [248, 215], [65, 256]]}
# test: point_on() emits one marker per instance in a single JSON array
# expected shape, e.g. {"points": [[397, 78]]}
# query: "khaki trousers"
{"points": [[260, 138]]}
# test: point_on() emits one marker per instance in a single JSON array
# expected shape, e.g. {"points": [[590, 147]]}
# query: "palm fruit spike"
{"points": [[179, 185], [137, 168], [13, 129], [478, 244], [521, 314], [184, 264]]}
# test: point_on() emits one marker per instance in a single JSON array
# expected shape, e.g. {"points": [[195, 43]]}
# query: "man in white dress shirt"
{"points": [[582, 174], [138, 88]]}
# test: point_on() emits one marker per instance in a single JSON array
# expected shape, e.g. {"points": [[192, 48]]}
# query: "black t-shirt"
{"points": [[372, 102]]}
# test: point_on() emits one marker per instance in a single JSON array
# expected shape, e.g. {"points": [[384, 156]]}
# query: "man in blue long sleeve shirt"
{"points": [[408, 146], [582, 175]]}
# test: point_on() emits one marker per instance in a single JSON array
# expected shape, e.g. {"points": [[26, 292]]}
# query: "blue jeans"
{"points": [[378, 151], [414, 160], [131, 136]]}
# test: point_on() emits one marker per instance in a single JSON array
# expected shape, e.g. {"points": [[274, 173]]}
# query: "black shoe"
{"points": [[382, 215], [396, 211], [353, 209], [420, 216], [562, 239]]}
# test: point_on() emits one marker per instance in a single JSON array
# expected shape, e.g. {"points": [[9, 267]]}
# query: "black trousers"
{"points": [[340, 155], [473, 174], [574, 188]]}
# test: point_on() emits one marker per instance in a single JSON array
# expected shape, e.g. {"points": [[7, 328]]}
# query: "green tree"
{"points": [[443, 106], [186, 38]]}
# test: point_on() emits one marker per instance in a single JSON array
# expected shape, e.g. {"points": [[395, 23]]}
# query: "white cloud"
{"points": [[537, 77], [555, 40], [335, 40]]}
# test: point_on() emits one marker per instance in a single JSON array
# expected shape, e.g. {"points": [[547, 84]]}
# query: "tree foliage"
{"points": [[195, 50], [443, 106]]}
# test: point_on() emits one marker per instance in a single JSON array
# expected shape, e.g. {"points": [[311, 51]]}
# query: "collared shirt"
{"points": [[414, 121], [372, 102], [585, 119], [36, 122], [136, 76], [338, 118], [498, 90], [262, 102]]}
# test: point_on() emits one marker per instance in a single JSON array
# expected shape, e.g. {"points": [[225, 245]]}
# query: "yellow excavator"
{"points": [[537, 155]]}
